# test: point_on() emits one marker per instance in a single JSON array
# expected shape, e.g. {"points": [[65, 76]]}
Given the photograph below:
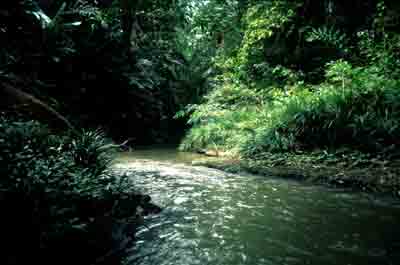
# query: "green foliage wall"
{"points": [[303, 75]]}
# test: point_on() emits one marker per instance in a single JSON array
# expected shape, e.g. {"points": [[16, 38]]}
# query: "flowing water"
{"points": [[211, 217]]}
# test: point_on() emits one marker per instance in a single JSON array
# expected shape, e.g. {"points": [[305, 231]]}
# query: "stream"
{"points": [[211, 217]]}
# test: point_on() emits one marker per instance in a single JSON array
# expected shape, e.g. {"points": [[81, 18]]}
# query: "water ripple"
{"points": [[210, 217]]}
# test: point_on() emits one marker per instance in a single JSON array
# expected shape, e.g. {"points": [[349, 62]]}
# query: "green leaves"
{"points": [[58, 190], [328, 35], [356, 107], [29, 152]]}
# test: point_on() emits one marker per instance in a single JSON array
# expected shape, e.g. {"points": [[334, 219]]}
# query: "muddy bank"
{"points": [[356, 172]]}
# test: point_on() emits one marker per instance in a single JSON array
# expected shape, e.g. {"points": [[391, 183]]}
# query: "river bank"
{"points": [[343, 169]]}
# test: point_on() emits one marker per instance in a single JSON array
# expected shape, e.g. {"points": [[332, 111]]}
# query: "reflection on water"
{"points": [[160, 154], [211, 217]]}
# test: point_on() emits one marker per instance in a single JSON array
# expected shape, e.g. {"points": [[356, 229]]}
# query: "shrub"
{"points": [[225, 119], [355, 107], [58, 197]]}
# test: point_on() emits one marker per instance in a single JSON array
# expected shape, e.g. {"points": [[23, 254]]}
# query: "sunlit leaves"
{"points": [[261, 22], [329, 36]]}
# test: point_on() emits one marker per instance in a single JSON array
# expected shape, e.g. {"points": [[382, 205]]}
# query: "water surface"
{"points": [[211, 217]]}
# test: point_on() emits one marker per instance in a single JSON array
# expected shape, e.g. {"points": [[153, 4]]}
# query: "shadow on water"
{"points": [[211, 217]]}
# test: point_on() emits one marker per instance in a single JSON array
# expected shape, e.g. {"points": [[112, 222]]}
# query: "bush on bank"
{"points": [[297, 81], [356, 107], [59, 200]]}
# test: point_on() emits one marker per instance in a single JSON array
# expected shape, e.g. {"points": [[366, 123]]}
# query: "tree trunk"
{"points": [[40, 110], [130, 25]]}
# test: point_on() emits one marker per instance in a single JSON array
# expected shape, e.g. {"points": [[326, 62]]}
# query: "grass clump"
{"points": [[59, 199]]}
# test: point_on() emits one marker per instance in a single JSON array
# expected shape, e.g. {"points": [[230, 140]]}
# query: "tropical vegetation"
{"points": [[300, 76], [266, 81]]}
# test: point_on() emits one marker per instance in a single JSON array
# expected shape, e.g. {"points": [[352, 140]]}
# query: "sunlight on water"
{"points": [[210, 217]]}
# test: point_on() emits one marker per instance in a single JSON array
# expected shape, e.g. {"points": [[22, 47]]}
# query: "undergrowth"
{"points": [[59, 200], [362, 114], [356, 107]]}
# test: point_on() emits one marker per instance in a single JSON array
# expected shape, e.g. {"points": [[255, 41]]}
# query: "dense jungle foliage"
{"points": [[112, 64], [295, 76], [252, 77], [67, 68], [57, 196]]}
